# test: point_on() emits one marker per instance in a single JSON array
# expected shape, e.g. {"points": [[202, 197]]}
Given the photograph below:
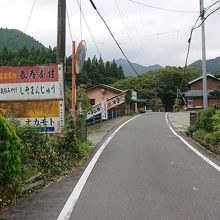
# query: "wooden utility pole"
{"points": [[61, 32], [73, 76]]}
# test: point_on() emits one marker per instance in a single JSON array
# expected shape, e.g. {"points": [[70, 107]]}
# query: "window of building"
{"points": [[92, 101]]}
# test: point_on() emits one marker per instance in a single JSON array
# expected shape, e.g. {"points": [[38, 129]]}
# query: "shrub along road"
{"points": [[145, 172]]}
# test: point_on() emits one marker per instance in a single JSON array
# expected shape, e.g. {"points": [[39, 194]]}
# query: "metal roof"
{"points": [[195, 93], [197, 79], [106, 87]]}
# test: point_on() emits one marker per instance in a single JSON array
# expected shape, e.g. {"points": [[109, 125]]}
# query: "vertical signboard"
{"points": [[104, 110], [34, 95]]}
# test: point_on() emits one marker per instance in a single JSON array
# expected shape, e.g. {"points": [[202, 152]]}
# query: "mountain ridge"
{"points": [[14, 40], [128, 71]]}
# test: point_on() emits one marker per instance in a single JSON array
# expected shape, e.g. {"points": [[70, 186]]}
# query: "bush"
{"points": [[204, 119], [199, 134], [191, 129], [210, 138], [10, 153]]}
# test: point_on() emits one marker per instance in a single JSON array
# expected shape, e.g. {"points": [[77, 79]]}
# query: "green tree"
{"points": [[10, 153]]}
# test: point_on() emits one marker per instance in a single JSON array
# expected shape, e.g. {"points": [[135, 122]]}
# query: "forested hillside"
{"points": [[128, 71], [160, 86], [94, 70], [212, 65], [14, 40]]}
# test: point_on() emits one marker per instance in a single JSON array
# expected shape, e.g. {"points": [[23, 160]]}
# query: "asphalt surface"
{"points": [[145, 172]]}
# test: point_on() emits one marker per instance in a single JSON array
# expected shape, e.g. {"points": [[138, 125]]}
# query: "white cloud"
{"points": [[131, 24]]}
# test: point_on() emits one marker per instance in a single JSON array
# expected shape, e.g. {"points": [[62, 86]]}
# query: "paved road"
{"points": [[145, 172]]}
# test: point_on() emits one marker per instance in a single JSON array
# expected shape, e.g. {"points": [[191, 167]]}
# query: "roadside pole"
{"points": [[205, 95], [73, 77]]}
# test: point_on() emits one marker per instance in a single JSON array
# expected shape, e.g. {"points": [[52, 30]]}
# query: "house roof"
{"points": [[105, 87], [196, 93], [197, 79]]}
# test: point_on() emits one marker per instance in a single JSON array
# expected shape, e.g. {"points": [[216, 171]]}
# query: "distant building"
{"points": [[102, 92], [194, 96]]}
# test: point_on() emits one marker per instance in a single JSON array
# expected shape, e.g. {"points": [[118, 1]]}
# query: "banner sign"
{"points": [[111, 103], [115, 101], [31, 83], [133, 95], [34, 95], [104, 110]]}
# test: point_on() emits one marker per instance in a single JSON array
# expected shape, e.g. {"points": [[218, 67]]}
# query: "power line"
{"points": [[188, 50], [190, 38], [7, 4], [123, 22], [151, 35], [92, 3], [162, 9], [68, 19], [207, 17], [29, 16], [90, 32], [215, 2], [80, 18]]}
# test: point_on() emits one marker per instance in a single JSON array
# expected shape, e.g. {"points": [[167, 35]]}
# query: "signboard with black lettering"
{"points": [[33, 95]]}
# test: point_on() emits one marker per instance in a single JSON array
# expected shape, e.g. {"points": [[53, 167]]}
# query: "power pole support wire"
{"points": [[205, 95]]}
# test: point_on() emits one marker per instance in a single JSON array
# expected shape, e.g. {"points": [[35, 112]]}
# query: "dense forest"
{"points": [[160, 86], [94, 70], [14, 40]]}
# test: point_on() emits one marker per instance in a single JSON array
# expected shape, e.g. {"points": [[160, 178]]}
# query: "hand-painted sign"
{"points": [[31, 83], [33, 95], [47, 115], [33, 91], [29, 74], [111, 103], [104, 110]]}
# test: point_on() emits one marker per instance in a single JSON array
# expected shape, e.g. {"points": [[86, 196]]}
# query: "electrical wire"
{"points": [[90, 32], [163, 9], [123, 22], [7, 4], [190, 38], [207, 17], [93, 5], [29, 16], [188, 50], [68, 19], [80, 18], [150, 36], [210, 6]]}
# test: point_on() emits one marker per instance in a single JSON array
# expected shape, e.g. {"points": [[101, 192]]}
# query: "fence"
{"points": [[98, 118]]}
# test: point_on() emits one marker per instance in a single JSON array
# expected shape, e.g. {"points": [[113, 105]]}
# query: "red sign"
{"points": [[29, 74]]}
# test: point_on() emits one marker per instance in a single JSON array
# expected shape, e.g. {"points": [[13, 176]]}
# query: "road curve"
{"points": [[146, 172]]}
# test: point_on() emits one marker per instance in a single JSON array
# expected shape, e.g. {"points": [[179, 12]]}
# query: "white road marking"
{"points": [[192, 148], [70, 203]]}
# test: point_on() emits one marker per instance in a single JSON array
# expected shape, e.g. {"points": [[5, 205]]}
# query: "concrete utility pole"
{"points": [[61, 32], [205, 95]]}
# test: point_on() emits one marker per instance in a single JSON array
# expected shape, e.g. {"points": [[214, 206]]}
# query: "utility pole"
{"points": [[61, 32], [205, 95]]}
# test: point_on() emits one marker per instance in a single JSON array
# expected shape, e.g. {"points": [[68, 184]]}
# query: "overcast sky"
{"points": [[147, 35]]}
